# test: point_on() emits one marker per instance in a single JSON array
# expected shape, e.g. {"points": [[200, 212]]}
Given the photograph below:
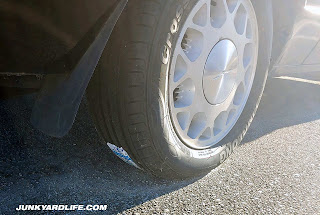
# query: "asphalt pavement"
{"points": [[275, 171]]}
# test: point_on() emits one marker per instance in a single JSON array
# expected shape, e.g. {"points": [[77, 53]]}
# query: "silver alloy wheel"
{"points": [[212, 70]]}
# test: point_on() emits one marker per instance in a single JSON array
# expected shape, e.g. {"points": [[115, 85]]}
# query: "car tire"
{"points": [[129, 95]]}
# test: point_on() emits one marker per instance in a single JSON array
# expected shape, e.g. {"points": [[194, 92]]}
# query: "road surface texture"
{"points": [[275, 171]]}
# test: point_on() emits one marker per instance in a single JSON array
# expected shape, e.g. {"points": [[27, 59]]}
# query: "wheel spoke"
{"points": [[188, 123], [185, 69], [241, 74], [198, 125], [237, 7], [204, 134], [182, 68], [199, 28], [201, 17], [208, 2], [218, 13], [220, 123], [231, 5], [246, 26]]}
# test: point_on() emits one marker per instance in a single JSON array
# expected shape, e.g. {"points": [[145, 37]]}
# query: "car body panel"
{"points": [[35, 33], [296, 39]]}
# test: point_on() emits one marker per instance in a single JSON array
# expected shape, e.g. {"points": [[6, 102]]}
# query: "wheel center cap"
{"points": [[220, 72]]}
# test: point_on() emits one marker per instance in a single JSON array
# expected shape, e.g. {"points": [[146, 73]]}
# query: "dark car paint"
{"points": [[37, 33]]}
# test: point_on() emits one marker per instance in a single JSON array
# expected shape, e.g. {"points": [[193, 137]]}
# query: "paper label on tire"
{"points": [[206, 153]]}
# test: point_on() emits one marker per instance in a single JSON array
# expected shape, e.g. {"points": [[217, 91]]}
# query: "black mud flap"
{"points": [[56, 107]]}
